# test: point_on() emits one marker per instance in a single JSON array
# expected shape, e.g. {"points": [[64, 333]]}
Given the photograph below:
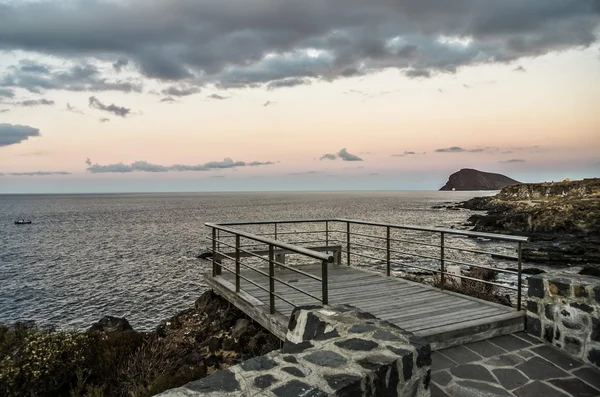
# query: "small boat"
{"points": [[23, 222]]}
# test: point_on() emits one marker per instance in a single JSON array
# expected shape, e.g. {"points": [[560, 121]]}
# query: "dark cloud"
{"points": [[513, 161], [268, 103], [217, 97], [37, 78], [4, 110], [104, 120], [34, 102], [406, 153], [37, 173], [519, 69], [232, 43], [11, 134], [416, 73], [168, 100], [112, 108], [119, 64], [73, 109], [328, 156], [7, 93], [289, 82], [144, 166], [184, 90], [453, 149], [29, 66], [342, 154]]}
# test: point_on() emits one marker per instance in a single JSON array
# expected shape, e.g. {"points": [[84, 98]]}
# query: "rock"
{"points": [[205, 254], [590, 271], [109, 324], [562, 219], [241, 326], [470, 179], [193, 358], [214, 344]]}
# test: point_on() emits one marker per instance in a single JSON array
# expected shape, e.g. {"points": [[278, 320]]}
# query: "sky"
{"points": [[277, 95]]}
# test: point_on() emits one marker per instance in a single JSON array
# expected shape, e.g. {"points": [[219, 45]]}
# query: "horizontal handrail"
{"points": [[495, 236], [275, 243]]}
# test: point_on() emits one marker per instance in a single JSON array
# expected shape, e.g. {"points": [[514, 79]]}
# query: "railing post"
{"points": [[275, 231], [324, 283], [442, 267], [271, 280], [237, 263], [348, 243], [327, 233], [214, 251], [387, 238], [519, 281]]}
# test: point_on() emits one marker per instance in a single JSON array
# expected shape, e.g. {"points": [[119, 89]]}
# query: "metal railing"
{"points": [[385, 239], [218, 255]]}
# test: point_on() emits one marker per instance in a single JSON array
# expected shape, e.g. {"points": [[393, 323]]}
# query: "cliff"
{"points": [[470, 179], [562, 219]]}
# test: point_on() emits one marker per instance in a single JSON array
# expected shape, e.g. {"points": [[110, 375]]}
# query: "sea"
{"points": [[136, 255]]}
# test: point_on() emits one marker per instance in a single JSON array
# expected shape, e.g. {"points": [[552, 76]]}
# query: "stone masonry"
{"points": [[329, 351], [564, 310]]}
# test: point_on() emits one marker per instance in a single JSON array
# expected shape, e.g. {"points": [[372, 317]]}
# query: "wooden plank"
{"points": [[425, 311], [454, 318]]}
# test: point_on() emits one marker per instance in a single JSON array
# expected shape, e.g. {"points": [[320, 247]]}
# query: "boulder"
{"points": [[109, 324]]}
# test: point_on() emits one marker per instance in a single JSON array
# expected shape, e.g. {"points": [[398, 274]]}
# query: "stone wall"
{"points": [[564, 310], [329, 351]]}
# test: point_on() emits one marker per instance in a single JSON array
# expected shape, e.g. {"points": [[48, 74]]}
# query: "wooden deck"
{"points": [[444, 318]]}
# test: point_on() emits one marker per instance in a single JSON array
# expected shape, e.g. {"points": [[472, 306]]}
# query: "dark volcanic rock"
{"points": [[470, 179], [111, 324], [562, 219]]}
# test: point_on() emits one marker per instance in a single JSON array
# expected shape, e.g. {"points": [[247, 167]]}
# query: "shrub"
{"points": [[38, 362]]}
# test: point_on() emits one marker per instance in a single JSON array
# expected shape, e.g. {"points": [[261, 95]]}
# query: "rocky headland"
{"points": [[562, 219], [470, 179], [112, 359]]}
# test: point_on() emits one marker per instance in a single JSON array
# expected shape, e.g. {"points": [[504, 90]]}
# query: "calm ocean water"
{"points": [[134, 255]]}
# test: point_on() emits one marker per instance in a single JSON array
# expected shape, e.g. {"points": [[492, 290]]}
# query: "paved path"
{"points": [[511, 365]]}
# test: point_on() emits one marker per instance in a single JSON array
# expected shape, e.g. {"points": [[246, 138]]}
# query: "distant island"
{"points": [[470, 179]]}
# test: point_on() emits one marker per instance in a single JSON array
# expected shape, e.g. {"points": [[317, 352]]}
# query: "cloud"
{"points": [[73, 109], [305, 173], [519, 69], [328, 156], [4, 110], [231, 44], [37, 173], [513, 161], [168, 100], [104, 120], [112, 108], [217, 97], [288, 82], [404, 154], [416, 73], [119, 64], [453, 149], [184, 90], [466, 86], [34, 102], [268, 103], [81, 77], [144, 166], [342, 154], [7, 93], [11, 134]]}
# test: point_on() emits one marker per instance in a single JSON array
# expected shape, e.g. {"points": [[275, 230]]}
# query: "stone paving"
{"points": [[511, 365]]}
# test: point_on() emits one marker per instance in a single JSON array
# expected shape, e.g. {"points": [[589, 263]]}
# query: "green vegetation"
{"points": [[39, 362]]}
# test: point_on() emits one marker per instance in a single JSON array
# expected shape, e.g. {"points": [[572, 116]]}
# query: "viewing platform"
{"points": [[266, 270]]}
